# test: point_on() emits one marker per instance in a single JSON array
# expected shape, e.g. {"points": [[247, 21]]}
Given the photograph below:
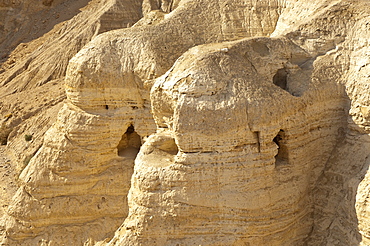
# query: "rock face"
{"points": [[40, 65], [205, 123], [240, 179], [44, 60]]}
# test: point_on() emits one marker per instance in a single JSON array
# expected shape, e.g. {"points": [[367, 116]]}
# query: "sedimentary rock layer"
{"points": [[189, 128], [246, 176], [106, 101]]}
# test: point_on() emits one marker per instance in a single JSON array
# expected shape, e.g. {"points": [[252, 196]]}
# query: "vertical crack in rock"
{"points": [[282, 156]]}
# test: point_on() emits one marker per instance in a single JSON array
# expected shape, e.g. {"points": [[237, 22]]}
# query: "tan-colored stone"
{"points": [[253, 118]]}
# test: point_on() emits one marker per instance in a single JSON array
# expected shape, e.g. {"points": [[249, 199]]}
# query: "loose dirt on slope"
{"points": [[21, 24]]}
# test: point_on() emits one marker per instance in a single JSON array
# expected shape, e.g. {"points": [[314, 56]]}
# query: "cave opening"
{"points": [[129, 144], [281, 79], [282, 156]]}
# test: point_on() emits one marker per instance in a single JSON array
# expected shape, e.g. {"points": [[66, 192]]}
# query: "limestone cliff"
{"points": [[40, 65], [205, 122]]}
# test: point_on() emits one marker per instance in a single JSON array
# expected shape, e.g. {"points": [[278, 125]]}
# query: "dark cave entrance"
{"points": [[130, 143], [283, 155], [281, 79]]}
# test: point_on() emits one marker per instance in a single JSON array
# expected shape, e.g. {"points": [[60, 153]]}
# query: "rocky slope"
{"points": [[205, 123], [40, 65]]}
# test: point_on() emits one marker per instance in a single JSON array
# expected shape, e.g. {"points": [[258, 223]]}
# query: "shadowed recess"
{"points": [[130, 143], [282, 156], [280, 79]]}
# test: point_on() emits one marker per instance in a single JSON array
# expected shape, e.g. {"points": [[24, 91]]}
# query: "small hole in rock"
{"points": [[130, 143], [280, 78], [106, 107], [169, 146]]}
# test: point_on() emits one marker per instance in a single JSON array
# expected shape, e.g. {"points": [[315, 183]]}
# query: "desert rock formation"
{"points": [[201, 122]]}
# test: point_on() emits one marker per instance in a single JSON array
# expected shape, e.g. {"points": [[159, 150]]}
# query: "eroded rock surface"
{"points": [[245, 177], [190, 128]]}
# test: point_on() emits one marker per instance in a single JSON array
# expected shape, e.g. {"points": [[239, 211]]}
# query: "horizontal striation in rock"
{"points": [[253, 137], [247, 168]]}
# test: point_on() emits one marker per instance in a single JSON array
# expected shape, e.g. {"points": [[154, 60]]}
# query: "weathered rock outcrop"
{"points": [[245, 177], [39, 67], [39, 82], [107, 87], [246, 140], [192, 189]]}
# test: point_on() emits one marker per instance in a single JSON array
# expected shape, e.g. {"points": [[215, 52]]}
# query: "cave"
{"points": [[280, 79], [129, 144], [282, 156]]}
